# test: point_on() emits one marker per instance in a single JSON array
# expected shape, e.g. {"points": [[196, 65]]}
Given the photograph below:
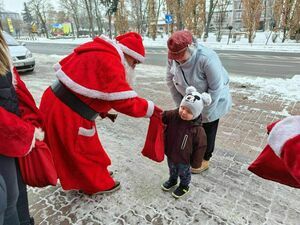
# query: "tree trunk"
{"points": [[76, 22], [209, 17], [88, 5], [98, 19], [43, 24], [109, 25]]}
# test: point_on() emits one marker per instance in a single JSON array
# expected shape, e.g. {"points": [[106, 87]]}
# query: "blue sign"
{"points": [[169, 19]]}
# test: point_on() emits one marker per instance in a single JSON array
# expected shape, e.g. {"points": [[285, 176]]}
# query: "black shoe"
{"points": [[114, 188], [168, 185], [180, 191]]}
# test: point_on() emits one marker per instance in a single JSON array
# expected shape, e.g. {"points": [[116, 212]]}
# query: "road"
{"points": [[253, 63]]}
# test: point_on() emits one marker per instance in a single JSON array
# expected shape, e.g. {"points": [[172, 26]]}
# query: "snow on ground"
{"points": [[286, 88], [241, 44]]}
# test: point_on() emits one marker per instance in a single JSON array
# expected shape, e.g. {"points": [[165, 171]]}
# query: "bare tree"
{"points": [[194, 16], [111, 6], [221, 15], [1, 6], [251, 16], [152, 25], [39, 7], [89, 9], [212, 6], [295, 22], [285, 12], [174, 9], [121, 22], [98, 16], [137, 15], [72, 8]]}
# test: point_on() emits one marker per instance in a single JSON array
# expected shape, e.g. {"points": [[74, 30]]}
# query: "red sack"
{"points": [[269, 166], [154, 145], [280, 159], [37, 167]]}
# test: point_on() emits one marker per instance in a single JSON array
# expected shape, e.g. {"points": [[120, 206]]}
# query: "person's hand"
{"points": [[39, 134]]}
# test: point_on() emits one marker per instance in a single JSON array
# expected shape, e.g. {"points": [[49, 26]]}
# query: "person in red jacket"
{"points": [[91, 81], [19, 129]]}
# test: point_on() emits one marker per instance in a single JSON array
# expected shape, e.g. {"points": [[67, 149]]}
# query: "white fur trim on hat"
{"points": [[56, 66], [115, 45], [283, 131], [91, 93], [132, 53]]}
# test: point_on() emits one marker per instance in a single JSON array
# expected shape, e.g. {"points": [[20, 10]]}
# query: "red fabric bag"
{"points": [[37, 167], [154, 145], [269, 166], [280, 159]]}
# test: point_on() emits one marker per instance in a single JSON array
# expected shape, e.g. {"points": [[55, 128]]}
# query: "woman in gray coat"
{"points": [[199, 67]]}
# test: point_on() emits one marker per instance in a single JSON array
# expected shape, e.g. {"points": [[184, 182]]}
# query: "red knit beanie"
{"points": [[178, 43]]}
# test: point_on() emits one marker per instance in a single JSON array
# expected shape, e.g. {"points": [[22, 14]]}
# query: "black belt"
{"points": [[73, 101]]}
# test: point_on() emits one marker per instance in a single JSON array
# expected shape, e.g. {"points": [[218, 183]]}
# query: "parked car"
{"points": [[21, 57]]}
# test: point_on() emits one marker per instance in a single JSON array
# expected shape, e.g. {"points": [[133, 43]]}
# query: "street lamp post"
{"points": [[229, 35], [272, 26]]}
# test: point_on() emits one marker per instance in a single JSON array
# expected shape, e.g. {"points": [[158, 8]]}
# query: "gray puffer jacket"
{"points": [[205, 72]]}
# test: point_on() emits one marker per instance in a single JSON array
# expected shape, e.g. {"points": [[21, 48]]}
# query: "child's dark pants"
{"points": [[183, 171]]}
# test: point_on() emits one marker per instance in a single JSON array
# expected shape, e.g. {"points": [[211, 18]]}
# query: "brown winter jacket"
{"points": [[185, 141]]}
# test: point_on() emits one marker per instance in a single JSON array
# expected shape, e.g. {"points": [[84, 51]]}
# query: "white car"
{"points": [[22, 58]]}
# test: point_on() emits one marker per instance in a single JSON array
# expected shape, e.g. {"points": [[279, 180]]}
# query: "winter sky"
{"points": [[18, 5]]}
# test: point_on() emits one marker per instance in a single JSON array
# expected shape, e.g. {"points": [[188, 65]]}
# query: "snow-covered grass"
{"points": [[259, 43]]}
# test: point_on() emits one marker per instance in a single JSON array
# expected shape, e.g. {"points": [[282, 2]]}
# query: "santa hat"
{"points": [[195, 101], [131, 44], [280, 159]]}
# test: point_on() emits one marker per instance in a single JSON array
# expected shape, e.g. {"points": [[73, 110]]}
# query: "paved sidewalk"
{"points": [[226, 194]]}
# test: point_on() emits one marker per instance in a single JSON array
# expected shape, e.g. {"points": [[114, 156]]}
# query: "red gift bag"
{"points": [[280, 159], [154, 145], [37, 167], [269, 166]]}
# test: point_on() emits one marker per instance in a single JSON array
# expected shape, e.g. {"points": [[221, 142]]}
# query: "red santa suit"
{"points": [[280, 159], [18, 134], [95, 74]]}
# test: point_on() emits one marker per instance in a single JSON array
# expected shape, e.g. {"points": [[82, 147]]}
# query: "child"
{"points": [[185, 140]]}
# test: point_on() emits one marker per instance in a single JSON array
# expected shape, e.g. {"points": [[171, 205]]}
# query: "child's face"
{"points": [[185, 113]]}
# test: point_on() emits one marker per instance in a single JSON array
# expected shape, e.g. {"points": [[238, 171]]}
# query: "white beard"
{"points": [[130, 73]]}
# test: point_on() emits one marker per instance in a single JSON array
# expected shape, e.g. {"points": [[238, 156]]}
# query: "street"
{"points": [[226, 194], [253, 63]]}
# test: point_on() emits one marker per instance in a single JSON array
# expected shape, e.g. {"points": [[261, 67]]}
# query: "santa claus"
{"points": [[91, 80], [280, 159]]}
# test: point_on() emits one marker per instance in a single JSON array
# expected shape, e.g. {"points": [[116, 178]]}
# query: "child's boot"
{"points": [[180, 191], [168, 185]]}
